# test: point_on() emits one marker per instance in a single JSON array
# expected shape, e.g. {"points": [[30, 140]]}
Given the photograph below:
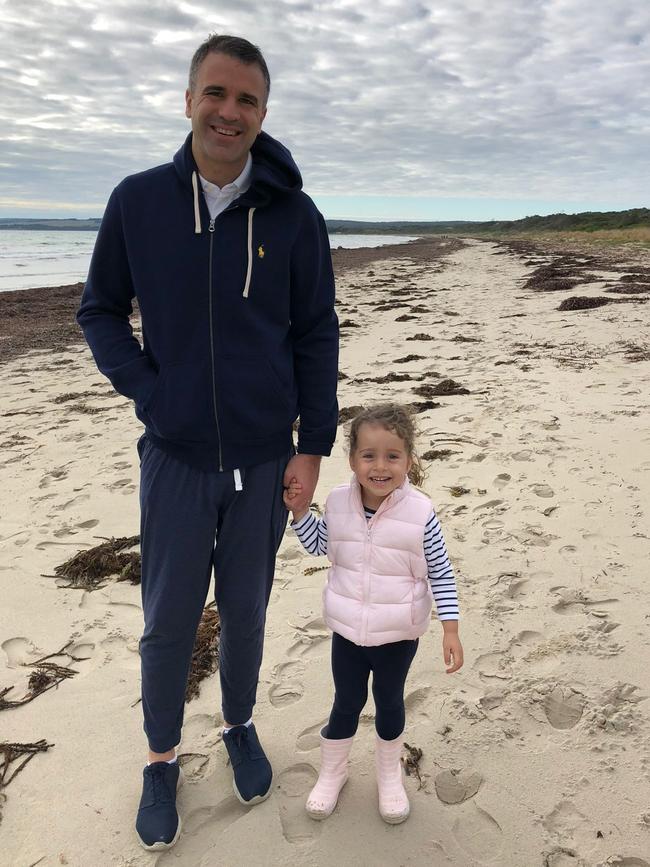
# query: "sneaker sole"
{"points": [[159, 847], [256, 800]]}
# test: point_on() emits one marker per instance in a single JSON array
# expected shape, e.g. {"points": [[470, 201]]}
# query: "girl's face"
{"points": [[380, 462]]}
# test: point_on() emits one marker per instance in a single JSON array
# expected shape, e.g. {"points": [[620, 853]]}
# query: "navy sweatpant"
{"points": [[351, 667], [191, 522]]}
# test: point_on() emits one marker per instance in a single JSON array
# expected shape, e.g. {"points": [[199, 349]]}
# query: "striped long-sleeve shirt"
{"points": [[312, 532]]}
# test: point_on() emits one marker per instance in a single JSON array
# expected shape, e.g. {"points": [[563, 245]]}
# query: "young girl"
{"points": [[388, 561]]}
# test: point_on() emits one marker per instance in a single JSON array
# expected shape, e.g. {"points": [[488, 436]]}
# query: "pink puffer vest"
{"points": [[377, 589]]}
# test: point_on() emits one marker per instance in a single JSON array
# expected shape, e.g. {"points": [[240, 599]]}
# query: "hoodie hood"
{"points": [[274, 170]]}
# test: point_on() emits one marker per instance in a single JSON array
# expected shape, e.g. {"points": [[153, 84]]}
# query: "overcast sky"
{"points": [[409, 109]]}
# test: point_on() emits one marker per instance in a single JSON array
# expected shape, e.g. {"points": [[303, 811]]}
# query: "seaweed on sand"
{"points": [[630, 289], [407, 358], [411, 762], [444, 388], [46, 675], [347, 413], [88, 570], [205, 656], [421, 336], [13, 753], [582, 303], [437, 454], [422, 406]]}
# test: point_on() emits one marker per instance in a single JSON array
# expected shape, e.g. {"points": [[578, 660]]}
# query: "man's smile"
{"points": [[224, 130]]}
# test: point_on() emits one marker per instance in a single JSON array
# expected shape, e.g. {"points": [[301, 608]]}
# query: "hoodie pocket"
{"points": [[181, 407], [253, 401]]}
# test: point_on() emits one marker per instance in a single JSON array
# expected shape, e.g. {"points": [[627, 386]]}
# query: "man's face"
{"points": [[226, 108]]}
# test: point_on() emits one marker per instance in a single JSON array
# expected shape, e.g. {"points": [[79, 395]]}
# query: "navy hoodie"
{"points": [[239, 334]]}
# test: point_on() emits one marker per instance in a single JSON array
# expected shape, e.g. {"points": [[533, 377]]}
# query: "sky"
{"points": [[394, 109]]}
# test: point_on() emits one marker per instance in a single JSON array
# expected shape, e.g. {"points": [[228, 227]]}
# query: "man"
{"points": [[230, 263]]}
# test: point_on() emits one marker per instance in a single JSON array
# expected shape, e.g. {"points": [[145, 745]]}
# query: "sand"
{"points": [[536, 753]]}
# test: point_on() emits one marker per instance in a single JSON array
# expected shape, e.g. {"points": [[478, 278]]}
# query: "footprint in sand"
{"points": [[524, 455], [201, 832], [564, 707], [309, 637], [563, 857], [125, 650], [309, 738], [478, 834], [619, 861], [570, 601], [287, 689], [294, 784], [417, 701], [456, 786], [501, 481], [542, 490], [18, 651]]}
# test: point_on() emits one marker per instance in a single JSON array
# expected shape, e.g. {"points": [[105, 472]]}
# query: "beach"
{"points": [[533, 422]]}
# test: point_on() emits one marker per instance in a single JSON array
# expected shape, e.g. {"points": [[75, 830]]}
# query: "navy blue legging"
{"points": [[351, 667]]}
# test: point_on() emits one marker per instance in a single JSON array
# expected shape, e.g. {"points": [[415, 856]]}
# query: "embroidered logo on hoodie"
{"points": [[260, 251]]}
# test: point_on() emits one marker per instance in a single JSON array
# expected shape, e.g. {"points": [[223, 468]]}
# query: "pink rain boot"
{"points": [[393, 802], [333, 776]]}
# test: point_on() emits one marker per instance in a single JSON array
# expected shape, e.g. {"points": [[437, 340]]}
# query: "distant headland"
{"points": [[587, 221]]}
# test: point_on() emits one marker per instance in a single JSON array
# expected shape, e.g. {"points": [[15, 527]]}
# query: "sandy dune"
{"points": [[536, 753]]}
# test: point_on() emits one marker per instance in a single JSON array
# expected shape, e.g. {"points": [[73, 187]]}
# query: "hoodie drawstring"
{"points": [[249, 269], [197, 231], [197, 212]]}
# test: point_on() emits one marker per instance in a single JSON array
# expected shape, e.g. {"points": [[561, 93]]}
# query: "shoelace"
{"points": [[159, 785]]}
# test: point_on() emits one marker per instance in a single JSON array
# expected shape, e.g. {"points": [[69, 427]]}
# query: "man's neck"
{"points": [[220, 174]]}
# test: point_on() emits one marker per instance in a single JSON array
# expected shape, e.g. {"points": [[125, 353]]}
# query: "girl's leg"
{"points": [[390, 664], [390, 667], [350, 669]]}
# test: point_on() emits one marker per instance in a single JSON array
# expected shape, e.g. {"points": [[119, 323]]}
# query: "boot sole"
{"points": [[395, 820]]}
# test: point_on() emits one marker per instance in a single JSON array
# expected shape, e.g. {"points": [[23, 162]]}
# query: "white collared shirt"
{"points": [[218, 198]]}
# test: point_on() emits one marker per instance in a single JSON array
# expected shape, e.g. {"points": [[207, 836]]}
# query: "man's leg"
{"points": [[249, 534], [178, 521]]}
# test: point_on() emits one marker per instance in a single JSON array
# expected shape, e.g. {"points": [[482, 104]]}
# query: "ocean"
{"points": [[57, 258]]}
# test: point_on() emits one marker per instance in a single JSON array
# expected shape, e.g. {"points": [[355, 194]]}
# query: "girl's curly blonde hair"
{"points": [[397, 419]]}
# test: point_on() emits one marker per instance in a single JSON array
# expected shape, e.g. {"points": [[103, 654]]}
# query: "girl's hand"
{"points": [[452, 651], [291, 493]]}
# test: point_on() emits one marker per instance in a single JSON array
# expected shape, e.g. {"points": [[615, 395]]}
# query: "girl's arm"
{"points": [[443, 587], [441, 575], [310, 530]]}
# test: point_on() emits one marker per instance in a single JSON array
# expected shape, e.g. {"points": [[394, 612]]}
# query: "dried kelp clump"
{"points": [[205, 656], [411, 762], [347, 413], [11, 753], [443, 388], [88, 570], [582, 303], [630, 289], [46, 674]]}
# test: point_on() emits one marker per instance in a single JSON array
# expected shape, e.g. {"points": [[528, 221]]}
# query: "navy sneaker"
{"points": [[252, 774], [158, 824]]}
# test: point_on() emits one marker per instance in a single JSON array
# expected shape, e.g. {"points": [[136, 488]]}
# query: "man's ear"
{"points": [[188, 103]]}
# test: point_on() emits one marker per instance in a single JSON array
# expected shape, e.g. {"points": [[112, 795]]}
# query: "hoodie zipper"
{"points": [[214, 377]]}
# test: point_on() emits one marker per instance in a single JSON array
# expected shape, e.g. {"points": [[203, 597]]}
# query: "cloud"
{"points": [[458, 98]]}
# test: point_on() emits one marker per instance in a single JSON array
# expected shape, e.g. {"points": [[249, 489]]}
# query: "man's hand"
{"points": [[301, 473], [452, 649]]}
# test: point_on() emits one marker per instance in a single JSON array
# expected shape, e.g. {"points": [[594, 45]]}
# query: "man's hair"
{"points": [[233, 46]]}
